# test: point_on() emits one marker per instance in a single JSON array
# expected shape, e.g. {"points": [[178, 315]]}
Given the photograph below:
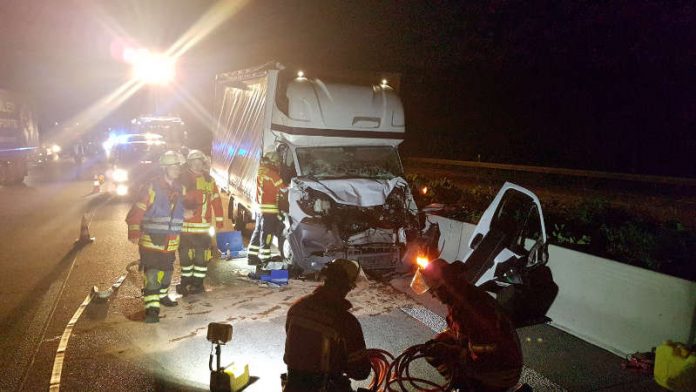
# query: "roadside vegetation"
{"points": [[592, 226]]}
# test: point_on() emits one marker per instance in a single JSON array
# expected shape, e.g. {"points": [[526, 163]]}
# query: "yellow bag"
{"points": [[675, 367]]}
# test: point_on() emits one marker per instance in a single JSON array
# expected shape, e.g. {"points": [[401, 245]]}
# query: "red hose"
{"points": [[390, 372]]}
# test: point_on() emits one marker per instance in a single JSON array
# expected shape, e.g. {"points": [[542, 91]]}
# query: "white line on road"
{"points": [[63, 345]]}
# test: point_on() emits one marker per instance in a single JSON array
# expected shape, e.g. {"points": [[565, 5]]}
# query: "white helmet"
{"points": [[171, 158], [196, 154]]}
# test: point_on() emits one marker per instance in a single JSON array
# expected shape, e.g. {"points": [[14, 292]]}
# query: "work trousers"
{"points": [[267, 226], [194, 255], [156, 286]]}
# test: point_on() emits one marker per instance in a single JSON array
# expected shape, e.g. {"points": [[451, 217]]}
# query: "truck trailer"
{"points": [[337, 142], [19, 137]]}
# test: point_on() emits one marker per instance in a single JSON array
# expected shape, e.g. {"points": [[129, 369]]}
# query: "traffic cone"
{"points": [[97, 184], [85, 238]]}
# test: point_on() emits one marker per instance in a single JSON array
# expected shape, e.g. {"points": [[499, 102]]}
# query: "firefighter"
{"points": [[154, 223], [269, 186], [202, 204], [479, 350], [325, 347]]}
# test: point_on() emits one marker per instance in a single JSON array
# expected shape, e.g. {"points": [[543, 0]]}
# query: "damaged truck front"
{"points": [[338, 150]]}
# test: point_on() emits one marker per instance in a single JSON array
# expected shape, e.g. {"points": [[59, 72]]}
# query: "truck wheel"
{"points": [[240, 221]]}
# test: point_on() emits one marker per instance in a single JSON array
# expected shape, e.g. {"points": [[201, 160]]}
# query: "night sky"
{"points": [[597, 85]]}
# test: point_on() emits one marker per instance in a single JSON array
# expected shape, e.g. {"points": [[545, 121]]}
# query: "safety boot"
{"points": [[151, 316], [196, 288], [253, 260], [182, 288], [168, 302]]}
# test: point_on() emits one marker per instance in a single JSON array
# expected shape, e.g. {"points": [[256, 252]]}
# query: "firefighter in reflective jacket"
{"points": [[154, 223], [479, 350], [268, 222], [325, 347], [202, 204]]}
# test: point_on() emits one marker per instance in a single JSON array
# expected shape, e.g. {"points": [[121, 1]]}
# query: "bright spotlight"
{"points": [[422, 261], [120, 175], [152, 68], [121, 190]]}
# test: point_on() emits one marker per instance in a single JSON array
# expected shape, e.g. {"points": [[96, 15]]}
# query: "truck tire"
{"points": [[241, 219]]}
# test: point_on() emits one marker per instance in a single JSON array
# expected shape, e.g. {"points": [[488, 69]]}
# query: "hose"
{"points": [[389, 376]]}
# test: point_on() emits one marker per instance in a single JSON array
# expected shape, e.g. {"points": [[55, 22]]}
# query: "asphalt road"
{"points": [[44, 276], [44, 279]]}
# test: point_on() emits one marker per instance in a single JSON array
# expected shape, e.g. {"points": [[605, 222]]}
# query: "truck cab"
{"points": [[338, 144]]}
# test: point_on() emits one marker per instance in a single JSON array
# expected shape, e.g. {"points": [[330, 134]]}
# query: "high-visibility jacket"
{"points": [[486, 338], [268, 186], [323, 339], [203, 198], [157, 217]]}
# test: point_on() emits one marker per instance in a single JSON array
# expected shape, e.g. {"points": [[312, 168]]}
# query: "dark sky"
{"points": [[599, 85]]}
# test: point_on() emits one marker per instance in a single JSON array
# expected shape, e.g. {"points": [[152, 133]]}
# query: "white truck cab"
{"points": [[338, 143]]}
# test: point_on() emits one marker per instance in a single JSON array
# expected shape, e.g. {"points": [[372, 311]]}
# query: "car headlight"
{"points": [[120, 175], [56, 149], [121, 190]]}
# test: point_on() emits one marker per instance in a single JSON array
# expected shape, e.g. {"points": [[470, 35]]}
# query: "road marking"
{"points": [[63, 345], [438, 324]]}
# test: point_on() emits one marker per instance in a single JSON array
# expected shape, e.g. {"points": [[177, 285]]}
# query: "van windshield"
{"points": [[335, 162]]}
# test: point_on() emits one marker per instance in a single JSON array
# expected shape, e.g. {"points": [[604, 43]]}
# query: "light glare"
{"points": [[422, 261], [122, 190], [152, 68]]}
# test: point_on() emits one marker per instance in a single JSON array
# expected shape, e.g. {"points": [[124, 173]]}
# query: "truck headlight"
{"points": [[120, 175]]}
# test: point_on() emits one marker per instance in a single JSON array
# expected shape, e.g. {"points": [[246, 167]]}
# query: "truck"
{"points": [[338, 147], [19, 137]]}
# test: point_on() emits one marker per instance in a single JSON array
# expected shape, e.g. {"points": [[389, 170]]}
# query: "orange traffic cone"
{"points": [[85, 238], [97, 184]]}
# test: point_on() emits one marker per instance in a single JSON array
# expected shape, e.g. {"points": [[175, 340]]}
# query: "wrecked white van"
{"points": [[337, 142]]}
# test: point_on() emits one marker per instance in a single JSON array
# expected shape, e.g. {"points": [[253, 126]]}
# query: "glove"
{"points": [[443, 351]]}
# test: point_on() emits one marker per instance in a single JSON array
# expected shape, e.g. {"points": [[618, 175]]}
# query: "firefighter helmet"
{"points": [[342, 271], [171, 158], [196, 154]]}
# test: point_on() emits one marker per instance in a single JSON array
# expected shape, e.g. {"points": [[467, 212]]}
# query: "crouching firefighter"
{"points": [[325, 347], [154, 223], [202, 204], [269, 222], [479, 350]]}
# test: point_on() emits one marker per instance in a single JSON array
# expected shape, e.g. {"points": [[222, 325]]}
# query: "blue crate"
{"points": [[233, 238], [279, 277]]}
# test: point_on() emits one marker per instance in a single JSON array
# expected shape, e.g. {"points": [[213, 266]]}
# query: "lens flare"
{"points": [[422, 261]]}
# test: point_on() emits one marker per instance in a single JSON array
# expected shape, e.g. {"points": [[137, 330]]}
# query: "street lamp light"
{"points": [[152, 68]]}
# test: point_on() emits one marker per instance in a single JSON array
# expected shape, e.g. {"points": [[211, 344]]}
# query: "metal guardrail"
{"points": [[557, 171]]}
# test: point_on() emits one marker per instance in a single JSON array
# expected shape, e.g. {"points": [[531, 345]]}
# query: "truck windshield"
{"points": [[334, 162]]}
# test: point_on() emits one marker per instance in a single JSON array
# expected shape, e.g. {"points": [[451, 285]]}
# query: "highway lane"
{"points": [[43, 283], [44, 277]]}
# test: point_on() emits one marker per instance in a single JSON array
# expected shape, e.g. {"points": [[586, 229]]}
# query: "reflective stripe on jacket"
{"points": [[203, 198], [154, 211], [268, 185], [165, 214]]}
